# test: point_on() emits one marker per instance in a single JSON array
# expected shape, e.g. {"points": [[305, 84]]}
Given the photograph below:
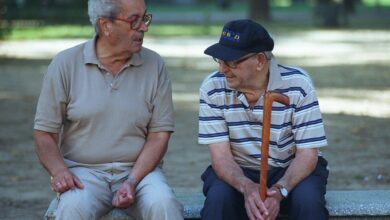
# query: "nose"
{"points": [[143, 27], [223, 68]]}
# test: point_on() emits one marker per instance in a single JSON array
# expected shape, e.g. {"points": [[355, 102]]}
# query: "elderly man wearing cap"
{"points": [[230, 114]]}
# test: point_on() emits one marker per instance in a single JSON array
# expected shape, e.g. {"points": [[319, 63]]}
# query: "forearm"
{"points": [[46, 147], [302, 166], [151, 155], [229, 171]]}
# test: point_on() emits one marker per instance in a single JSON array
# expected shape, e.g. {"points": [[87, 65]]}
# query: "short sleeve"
{"points": [[163, 113], [212, 123], [308, 127], [51, 105]]}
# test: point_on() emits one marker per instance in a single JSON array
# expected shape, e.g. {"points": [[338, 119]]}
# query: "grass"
{"points": [[80, 31], [47, 32], [156, 30]]}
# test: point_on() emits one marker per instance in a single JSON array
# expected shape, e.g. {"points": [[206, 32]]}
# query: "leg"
{"points": [[222, 202], [307, 200], [155, 199], [89, 203]]}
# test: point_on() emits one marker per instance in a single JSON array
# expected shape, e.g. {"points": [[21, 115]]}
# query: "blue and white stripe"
{"points": [[224, 117]]}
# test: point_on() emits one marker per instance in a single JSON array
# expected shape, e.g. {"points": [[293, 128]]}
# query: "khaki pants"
{"points": [[154, 198]]}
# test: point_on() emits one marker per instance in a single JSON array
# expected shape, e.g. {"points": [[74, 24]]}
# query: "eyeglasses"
{"points": [[233, 64], [136, 23]]}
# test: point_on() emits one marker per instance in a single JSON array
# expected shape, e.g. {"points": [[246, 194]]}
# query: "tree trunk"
{"points": [[259, 10], [328, 13]]}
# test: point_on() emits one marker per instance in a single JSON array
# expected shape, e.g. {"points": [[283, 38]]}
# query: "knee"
{"points": [[309, 204], [74, 207], [308, 201]]}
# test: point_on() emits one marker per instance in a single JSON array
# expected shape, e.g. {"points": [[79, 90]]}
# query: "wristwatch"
{"points": [[132, 180], [283, 191]]}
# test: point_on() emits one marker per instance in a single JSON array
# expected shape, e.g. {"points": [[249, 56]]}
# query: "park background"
{"points": [[345, 48]]}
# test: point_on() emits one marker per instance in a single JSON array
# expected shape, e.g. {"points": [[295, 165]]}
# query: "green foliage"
{"points": [[67, 21], [45, 32], [376, 2], [183, 30], [79, 31]]}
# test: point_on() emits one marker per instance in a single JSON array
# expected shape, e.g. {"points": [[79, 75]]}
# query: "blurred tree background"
{"points": [[16, 15], [343, 44]]}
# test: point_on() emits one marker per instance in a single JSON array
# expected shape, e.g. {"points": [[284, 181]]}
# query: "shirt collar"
{"points": [[275, 77], [90, 53]]}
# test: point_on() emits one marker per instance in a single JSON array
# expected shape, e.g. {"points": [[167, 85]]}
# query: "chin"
{"points": [[232, 85], [135, 50]]}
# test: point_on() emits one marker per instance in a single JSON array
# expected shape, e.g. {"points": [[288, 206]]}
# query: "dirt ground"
{"points": [[350, 70]]}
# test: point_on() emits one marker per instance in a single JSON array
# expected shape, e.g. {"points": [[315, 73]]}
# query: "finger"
{"points": [[271, 192], [115, 200], [69, 182], [124, 199], [272, 208], [255, 210], [261, 206], [77, 182], [249, 212], [60, 189], [57, 186]]}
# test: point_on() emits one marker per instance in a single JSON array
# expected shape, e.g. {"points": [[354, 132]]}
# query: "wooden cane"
{"points": [[269, 98]]}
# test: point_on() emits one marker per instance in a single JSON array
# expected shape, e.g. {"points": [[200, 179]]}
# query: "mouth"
{"points": [[139, 39], [229, 77]]}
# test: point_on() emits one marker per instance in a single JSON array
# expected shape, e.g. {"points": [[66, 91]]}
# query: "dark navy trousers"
{"points": [[305, 201]]}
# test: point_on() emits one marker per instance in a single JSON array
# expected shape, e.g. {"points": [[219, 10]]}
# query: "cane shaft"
{"points": [[269, 98]]}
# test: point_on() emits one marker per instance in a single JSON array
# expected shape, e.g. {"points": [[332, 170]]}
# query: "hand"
{"points": [[255, 208], [125, 196], [272, 203], [65, 180]]}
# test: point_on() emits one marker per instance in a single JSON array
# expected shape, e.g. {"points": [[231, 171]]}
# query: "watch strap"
{"points": [[280, 187], [132, 180]]}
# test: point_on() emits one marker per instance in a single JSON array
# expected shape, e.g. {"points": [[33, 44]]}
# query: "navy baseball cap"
{"points": [[239, 38]]}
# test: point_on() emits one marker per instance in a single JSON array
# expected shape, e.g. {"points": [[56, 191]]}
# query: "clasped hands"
{"points": [[256, 209]]}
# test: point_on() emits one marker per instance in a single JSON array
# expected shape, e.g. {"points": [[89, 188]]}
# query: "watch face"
{"points": [[284, 192]]}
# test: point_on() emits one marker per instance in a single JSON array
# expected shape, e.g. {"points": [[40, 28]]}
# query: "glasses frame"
{"points": [[234, 63], [136, 23]]}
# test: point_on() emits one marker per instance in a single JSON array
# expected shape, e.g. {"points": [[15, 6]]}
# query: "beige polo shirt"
{"points": [[102, 118]]}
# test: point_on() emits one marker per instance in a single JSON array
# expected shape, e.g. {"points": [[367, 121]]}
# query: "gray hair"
{"points": [[102, 8], [269, 55]]}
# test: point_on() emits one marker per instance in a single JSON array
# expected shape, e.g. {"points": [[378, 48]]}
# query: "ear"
{"points": [[261, 60], [104, 26]]}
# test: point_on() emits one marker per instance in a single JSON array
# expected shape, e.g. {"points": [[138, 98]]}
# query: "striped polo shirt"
{"points": [[225, 116]]}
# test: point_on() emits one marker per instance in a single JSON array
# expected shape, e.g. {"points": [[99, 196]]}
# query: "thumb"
{"points": [[77, 182], [271, 192]]}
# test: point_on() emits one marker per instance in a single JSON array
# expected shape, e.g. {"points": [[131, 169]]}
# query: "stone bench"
{"points": [[370, 204]]}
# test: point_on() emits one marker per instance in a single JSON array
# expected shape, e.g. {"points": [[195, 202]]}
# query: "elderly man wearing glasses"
{"points": [[104, 118], [230, 123]]}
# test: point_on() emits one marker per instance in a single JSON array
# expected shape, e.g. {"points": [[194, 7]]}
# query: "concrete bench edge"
{"points": [[339, 203]]}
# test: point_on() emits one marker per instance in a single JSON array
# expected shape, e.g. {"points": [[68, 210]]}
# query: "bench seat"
{"points": [[369, 204]]}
